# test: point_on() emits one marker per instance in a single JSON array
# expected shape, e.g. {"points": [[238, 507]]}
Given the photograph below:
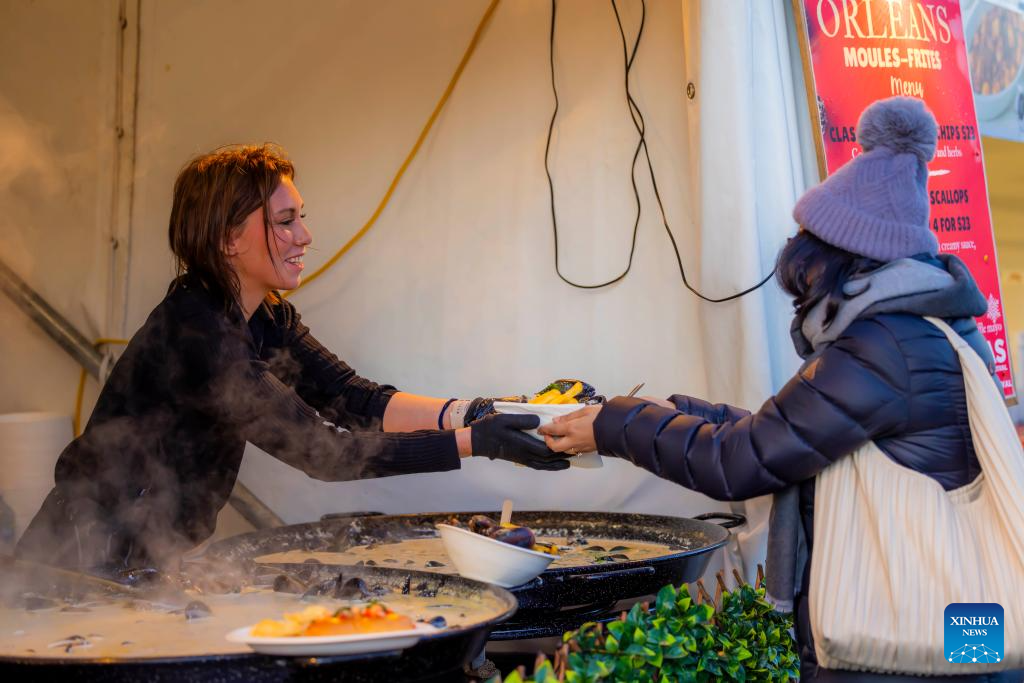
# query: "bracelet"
{"points": [[440, 416], [457, 413]]}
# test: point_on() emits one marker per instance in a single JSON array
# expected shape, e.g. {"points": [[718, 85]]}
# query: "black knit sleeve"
{"points": [[274, 418], [327, 383]]}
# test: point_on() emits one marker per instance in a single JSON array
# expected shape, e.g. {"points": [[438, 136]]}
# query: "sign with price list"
{"points": [[859, 51]]}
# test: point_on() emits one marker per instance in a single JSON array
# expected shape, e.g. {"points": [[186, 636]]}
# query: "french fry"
{"points": [[546, 397], [574, 390]]}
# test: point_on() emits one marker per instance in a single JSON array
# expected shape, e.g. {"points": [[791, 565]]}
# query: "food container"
{"points": [[994, 37], [485, 559], [548, 412]]}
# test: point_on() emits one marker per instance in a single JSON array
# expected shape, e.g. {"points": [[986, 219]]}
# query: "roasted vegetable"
{"points": [[545, 548]]}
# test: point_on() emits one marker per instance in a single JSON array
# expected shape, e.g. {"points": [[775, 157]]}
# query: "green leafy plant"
{"points": [[737, 636]]}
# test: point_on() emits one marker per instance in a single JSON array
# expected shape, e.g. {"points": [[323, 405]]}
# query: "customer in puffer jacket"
{"points": [[862, 270]]}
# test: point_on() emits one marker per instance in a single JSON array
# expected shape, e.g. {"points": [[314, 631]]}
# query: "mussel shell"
{"points": [[519, 536], [325, 588], [482, 524], [197, 610], [283, 583], [353, 589]]}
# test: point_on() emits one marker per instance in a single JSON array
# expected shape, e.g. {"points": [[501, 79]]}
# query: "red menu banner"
{"points": [[859, 51]]}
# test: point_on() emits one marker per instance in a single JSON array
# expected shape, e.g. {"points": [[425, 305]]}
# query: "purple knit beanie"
{"points": [[876, 204]]}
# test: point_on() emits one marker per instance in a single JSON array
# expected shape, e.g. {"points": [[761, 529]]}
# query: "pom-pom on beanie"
{"points": [[876, 204]]}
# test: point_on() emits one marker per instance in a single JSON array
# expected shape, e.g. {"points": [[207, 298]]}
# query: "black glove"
{"points": [[480, 407], [499, 437]]}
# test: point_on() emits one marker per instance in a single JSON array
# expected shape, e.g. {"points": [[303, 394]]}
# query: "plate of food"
{"points": [[319, 631], [995, 38], [561, 397]]}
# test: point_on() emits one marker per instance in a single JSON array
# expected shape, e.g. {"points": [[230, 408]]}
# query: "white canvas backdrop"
{"points": [[453, 293]]}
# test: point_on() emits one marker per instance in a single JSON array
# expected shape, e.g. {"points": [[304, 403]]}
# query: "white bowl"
{"points": [[485, 559], [548, 412]]}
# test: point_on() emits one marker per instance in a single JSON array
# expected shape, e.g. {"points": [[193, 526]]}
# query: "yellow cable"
{"points": [[470, 49], [76, 423], [408, 159]]}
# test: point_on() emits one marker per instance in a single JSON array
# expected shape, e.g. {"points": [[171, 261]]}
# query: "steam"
{"points": [[31, 172], [26, 154], [143, 485]]}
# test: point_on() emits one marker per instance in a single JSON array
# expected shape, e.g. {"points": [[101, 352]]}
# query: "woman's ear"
{"points": [[231, 246]]}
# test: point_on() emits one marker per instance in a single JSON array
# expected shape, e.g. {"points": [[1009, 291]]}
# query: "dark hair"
{"points": [[812, 270], [213, 195]]}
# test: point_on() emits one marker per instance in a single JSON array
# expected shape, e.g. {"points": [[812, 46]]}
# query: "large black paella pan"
{"points": [[56, 627], [613, 556]]}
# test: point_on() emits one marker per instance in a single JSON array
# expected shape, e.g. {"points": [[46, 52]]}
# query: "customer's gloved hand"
{"points": [[500, 437]]}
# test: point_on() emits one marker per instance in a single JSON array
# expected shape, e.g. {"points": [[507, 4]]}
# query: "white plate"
{"points": [[989, 107], [484, 559], [362, 643], [547, 412]]}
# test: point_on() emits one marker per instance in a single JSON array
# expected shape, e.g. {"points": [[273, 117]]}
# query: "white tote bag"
{"points": [[892, 548]]}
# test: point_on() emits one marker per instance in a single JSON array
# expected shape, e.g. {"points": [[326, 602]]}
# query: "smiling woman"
{"points": [[270, 260], [223, 360]]}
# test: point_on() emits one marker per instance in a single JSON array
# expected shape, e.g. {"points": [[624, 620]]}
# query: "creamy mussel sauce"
{"points": [[428, 554], [135, 628]]}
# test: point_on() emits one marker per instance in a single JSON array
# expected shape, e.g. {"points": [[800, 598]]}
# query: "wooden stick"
{"points": [[739, 578], [720, 578], [561, 661], [702, 593], [506, 512]]}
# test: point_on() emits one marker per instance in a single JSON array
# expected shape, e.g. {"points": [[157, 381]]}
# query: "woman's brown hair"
{"points": [[213, 195]]}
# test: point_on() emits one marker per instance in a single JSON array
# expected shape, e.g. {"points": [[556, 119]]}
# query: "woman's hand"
{"points": [[500, 437], [572, 433]]}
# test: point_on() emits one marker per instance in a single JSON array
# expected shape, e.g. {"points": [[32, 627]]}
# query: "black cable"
{"points": [[641, 129], [551, 182], [629, 54]]}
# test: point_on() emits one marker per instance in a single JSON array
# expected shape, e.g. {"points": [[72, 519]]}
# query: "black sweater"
{"points": [[160, 454]]}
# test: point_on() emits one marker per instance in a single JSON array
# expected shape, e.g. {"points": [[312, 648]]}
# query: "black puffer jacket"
{"points": [[891, 377]]}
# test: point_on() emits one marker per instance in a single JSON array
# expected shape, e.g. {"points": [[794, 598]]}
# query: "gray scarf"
{"points": [[940, 287]]}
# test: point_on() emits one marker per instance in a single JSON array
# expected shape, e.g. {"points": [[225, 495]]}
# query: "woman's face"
{"points": [[260, 270]]}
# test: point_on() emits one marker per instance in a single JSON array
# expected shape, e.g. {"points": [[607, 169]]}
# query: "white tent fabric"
{"points": [[454, 293], [751, 167]]}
